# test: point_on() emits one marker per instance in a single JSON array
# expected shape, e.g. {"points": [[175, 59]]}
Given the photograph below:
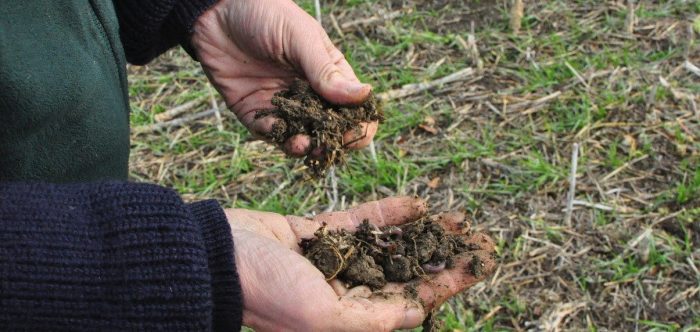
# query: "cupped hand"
{"points": [[282, 290], [252, 49]]}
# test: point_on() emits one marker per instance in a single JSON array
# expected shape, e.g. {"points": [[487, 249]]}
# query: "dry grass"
{"points": [[610, 76]]}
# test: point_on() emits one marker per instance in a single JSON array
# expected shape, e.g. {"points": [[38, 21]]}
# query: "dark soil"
{"points": [[374, 256], [303, 111]]}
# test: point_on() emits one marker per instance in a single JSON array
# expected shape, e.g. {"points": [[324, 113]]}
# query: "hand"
{"points": [[282, 290], [252, 49]]}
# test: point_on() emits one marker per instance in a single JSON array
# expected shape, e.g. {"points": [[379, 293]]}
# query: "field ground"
{"points": [[496, 143]]}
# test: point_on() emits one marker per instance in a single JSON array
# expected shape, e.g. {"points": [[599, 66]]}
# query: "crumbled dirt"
{"points": [[302, 111], [476, 266], [374, 256], [432, 323]]}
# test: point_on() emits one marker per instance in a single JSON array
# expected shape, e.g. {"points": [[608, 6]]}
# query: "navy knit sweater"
{"points": [[114, 256], [119, 256], [150, 27]]}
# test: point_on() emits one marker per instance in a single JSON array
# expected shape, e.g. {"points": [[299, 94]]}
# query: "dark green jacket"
{"points": [[64, 110]]}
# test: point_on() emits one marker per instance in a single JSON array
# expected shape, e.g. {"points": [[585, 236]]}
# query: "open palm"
{"points": [[282, 290], [252, 49]]}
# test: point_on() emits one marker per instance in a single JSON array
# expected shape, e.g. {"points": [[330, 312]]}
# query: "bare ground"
{"points": [[497, 143]]}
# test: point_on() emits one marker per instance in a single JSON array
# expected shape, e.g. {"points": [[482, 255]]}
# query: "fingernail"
{"points": [[297, 146], [356, 88], [413, 318]]}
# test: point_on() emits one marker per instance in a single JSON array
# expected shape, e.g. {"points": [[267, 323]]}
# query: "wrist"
{"points": [[226, 291], [186, 14]]}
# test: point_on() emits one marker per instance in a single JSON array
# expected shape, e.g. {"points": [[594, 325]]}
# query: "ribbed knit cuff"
{"points": [[185, 13], [226, 288]]}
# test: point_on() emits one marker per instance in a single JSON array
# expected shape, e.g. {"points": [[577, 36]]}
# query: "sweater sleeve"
{"points": [[114, 256], [148, 28]]}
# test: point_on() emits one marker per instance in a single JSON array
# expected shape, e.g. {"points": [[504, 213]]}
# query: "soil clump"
{"points": [[373, 256], [301, 110]]}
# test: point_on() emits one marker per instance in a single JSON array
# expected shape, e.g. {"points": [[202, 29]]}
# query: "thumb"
{"points": [[329, 73], [379, 313]]}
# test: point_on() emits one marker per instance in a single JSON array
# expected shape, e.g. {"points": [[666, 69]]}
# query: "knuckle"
{"points": [[336, 55], [327, 70], [382, 325]]}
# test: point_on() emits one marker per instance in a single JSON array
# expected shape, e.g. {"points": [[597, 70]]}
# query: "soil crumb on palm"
{"points": [[300, 110], [374, 256]]}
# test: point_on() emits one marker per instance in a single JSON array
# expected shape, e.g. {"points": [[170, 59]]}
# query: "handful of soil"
{"points": [[302, 111], [374, 256]]}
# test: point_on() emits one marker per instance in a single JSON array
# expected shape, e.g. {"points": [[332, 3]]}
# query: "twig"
{"points": [[473, 49], [411, 89], [373, 153], [534, 105], [462, 43], [317, 4], [572, 185], [174, 123], [578, 76], [516, 15], [691, 67], [334, 189], [552, 319], [334, 22], [667, 217], [489, 315], [175, 111], [275, 192], [629, 23], [625, 165], [462, 116], [493, 108], [215, 107], [370, 20], [695, 268], [597, 206], [633, 243]]}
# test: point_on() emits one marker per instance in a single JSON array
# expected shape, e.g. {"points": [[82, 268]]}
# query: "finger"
{"points": [[247, 112], [270, 128], [388, 211], [360, 138], [378, 313], [359, 291], [324, 73], [452, 222], [300, 145], [338, 287], [318, 152], [244, 90], [264, 127], [469, 268], [297, 145]]}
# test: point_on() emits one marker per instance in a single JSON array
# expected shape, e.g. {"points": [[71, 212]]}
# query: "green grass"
{"points": [[689, 188], [507, 170]]}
